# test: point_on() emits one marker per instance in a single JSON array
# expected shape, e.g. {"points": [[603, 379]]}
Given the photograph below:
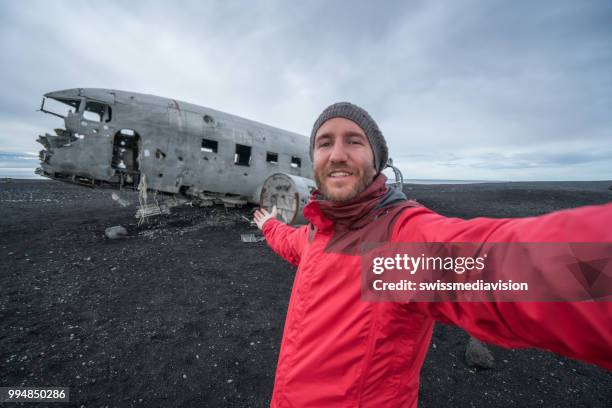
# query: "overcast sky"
{"points": [[487, 90]]}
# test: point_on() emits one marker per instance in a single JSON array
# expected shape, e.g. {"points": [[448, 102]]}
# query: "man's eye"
{"points": [[324, 144]]}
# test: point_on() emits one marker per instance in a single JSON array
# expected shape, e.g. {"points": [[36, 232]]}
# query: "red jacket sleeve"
{"points": [[286, 241], [581, 330]]}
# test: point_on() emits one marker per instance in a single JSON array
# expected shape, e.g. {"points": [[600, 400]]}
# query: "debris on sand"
{"points": [[115, 232], [251, 238], [478, 355], [121, 201], [250, 221]]}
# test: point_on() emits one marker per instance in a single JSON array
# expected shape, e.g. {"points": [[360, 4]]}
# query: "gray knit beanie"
{"points": [[363, 119]]}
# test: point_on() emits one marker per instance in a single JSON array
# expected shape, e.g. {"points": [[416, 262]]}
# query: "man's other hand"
{"points": [[262, 215]]}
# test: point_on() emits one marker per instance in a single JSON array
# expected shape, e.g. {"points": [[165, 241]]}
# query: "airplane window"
{"points": [[61, 107], [92, 116], [243, 155], [272, 158], [94, 111], [210, 146], [296, 161]]}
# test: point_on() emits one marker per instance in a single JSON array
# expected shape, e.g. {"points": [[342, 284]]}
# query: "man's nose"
{"points": [[338, 153]]}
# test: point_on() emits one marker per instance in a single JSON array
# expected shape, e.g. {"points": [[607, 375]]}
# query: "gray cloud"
{"points": [[511, 89]]}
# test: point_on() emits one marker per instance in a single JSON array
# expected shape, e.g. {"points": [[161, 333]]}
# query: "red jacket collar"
{"points": [[324, 214]]}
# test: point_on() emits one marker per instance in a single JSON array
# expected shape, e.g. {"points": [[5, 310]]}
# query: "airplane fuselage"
{"points": [[121, 139]]}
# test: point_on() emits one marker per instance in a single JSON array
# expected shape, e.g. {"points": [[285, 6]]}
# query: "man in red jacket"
{"points": [[340, 351]]}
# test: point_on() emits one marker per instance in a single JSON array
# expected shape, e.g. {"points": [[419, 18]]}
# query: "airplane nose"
{"points": [[66, 93]]}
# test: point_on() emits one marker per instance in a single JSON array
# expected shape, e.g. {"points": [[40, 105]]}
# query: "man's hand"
{"points": [[262, 215]]}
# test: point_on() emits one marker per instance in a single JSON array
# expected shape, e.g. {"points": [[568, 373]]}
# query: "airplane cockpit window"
{"points": [[272, 158], [296, 161], [60, 107], [96, 112]]}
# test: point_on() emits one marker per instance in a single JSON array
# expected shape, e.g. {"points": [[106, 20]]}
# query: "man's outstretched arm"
{"points": [[581, 330], [286, 241]]}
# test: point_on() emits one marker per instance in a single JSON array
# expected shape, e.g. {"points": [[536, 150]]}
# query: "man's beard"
{"points": [[363, 182]]}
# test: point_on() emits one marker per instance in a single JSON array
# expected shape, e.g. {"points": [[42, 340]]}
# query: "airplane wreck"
{"points": [[181, 151]]}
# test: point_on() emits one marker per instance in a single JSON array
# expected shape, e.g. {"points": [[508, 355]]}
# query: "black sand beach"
{"points": [[182, 313]]}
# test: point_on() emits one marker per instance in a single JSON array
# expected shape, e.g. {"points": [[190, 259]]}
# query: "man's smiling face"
{"points": [[342, 159]]}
